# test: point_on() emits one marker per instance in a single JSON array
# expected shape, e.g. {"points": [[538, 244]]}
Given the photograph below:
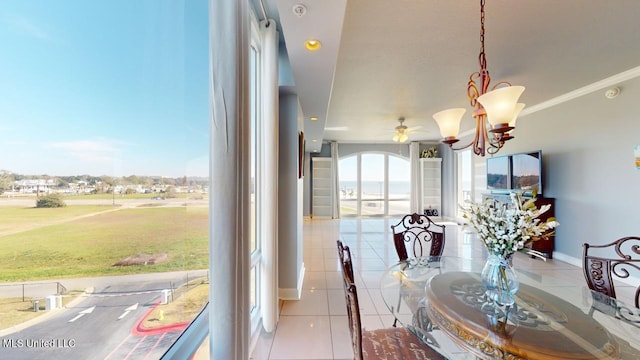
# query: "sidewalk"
{"points": [[41, 288]]}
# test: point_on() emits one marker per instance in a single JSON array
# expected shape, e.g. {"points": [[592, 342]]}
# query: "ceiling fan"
{"points": [[402, 131]]}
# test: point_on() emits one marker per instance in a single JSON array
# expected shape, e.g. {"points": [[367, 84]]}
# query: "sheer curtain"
{"points": [[414, 163], [229, 172], [335, 181], [269, 176]]}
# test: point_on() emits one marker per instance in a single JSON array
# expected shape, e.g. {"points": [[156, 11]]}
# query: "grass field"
{"points": [[134, 196], [17, 219], [76, 246], [14, 311]]}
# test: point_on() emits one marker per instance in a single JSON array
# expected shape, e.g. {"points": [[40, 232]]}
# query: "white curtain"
{"points": [[229, 173], [416, 188], [335, 181], [269, 174]]}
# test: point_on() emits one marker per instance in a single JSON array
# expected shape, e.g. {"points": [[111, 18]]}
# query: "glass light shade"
{"points": [[449, 121], [400, 135], [500, 104], [516, 112]]}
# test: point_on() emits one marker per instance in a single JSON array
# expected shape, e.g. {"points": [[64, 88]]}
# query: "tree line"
{"points": [[8, 179]]}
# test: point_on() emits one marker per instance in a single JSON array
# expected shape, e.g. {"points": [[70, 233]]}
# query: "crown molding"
{"points": [[596, 86]]}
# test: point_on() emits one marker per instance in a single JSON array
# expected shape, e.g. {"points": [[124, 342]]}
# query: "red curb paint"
{"points": [[141, 330]]}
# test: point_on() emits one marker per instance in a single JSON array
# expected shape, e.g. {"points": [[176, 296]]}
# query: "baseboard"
{"points": [[291, 293], [568, 259], [631, 280]]}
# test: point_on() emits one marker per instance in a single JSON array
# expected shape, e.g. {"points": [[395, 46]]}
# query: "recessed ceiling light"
{"points": [[312, 44], [314, 140], [314, 118], [316, 150]]}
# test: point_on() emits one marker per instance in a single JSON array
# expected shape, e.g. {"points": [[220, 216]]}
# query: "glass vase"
{"points": [[499, 280]]}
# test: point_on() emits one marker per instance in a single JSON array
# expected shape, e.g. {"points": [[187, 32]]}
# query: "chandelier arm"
{"points": [[473, 142], [461, 147], [496, 142], [472, 89], [477, 138], [483, 135], [501, 84]]}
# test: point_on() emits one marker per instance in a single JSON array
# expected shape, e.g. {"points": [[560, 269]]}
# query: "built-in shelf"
{"points": [[321, 200], [431, 176]]}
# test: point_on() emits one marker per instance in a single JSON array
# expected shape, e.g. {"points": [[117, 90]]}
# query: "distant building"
{"points": [[33, 186]]}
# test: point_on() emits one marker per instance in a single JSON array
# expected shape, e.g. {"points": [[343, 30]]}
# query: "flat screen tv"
{"points": [[498, 173], [526, 172]]}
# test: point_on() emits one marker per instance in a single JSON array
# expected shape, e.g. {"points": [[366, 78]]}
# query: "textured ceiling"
{"points": [[384, 59]]}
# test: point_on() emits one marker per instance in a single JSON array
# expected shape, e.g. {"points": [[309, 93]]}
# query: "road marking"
{"points": [[128, 310], [135, 347], [155, 346], [124, 294], [83, 313], [117, 347]]}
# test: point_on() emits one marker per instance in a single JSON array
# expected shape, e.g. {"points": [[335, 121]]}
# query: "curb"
{"points": [[142, 331]]}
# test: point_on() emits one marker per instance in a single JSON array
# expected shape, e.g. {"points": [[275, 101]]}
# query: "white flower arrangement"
{"points": [[430, 153], [505, 228]]}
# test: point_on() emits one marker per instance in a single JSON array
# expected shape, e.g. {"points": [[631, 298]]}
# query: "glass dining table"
{"points": [[442, 301]]}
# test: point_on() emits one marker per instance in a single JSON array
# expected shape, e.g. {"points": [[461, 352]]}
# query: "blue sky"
{"points": [[114, 87]]}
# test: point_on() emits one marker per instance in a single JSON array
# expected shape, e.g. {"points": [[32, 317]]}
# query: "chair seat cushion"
{"points": [[395, 344]]}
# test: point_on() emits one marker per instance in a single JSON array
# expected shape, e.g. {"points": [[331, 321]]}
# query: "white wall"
{"points": [[290, 266]]}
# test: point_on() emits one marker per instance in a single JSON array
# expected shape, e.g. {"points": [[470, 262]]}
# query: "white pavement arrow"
{"points": [[128, 310], [83, 313]]}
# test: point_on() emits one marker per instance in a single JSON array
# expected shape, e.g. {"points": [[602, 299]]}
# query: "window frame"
{"points": [[385, 198]]}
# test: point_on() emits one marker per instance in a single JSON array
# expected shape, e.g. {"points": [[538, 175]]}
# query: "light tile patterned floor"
{"points": [[315, 327]]}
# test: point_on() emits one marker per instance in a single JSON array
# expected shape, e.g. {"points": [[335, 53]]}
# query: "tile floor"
{"points": [[315, 327]]}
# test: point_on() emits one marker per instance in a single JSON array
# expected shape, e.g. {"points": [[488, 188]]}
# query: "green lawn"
{"points": [[12, 218], [89, 246], [134, 196]]}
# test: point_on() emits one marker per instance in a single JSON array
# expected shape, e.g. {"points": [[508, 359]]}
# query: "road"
{"points": [[102, 326]]}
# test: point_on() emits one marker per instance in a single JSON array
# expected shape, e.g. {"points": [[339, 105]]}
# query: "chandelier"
{"points": [[495, 111], [401, 132]]}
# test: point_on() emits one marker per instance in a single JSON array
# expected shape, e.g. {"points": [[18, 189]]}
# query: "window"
{"points": [[465, 178], [374, 184], [349, 188], [399, 185], [105, 105]]}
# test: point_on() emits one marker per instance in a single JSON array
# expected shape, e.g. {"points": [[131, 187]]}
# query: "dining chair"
{"points": [[417, 235], [602, 264], [380, 344]]}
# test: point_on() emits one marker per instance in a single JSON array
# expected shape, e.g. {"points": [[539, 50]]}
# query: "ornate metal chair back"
{"points": [[417, 235], [618, 259]]}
